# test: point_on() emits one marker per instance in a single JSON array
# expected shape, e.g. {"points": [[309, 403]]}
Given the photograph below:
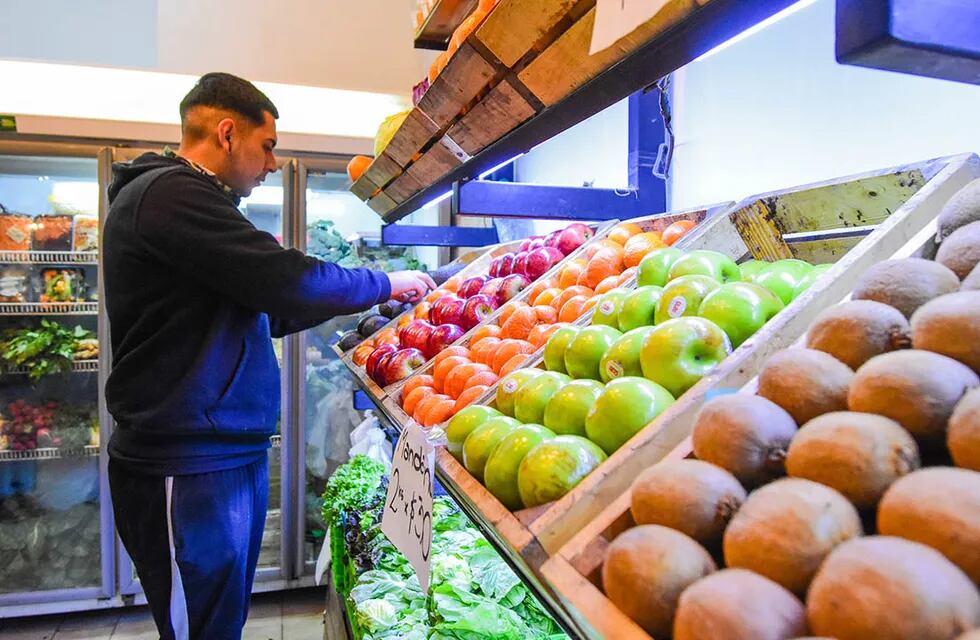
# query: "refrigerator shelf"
{"points": [[79, 366], [49, 308], [90, 451], [49, 257]]}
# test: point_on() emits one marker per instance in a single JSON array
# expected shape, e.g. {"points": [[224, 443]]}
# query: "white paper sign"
{"points": [[407, 519], [617, 18]]}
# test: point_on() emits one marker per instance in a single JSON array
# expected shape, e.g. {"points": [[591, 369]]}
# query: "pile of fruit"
{"points": [[369, 329], [876, 423], [447, 313]]}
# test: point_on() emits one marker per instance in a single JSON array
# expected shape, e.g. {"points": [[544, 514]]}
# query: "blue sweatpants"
{"points": [[195, 542]]}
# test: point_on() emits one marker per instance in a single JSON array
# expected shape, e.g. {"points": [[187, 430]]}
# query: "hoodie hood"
{"points": [[125, 172]]}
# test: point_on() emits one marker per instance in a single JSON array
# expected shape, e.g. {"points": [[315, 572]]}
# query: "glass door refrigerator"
{"points": [[56, 533]]}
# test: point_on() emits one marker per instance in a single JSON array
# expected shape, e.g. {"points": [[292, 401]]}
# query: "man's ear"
{"points": [[226, 131]]}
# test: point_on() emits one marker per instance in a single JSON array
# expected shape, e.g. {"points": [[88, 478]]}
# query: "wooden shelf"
{"points": [[441, 22]]}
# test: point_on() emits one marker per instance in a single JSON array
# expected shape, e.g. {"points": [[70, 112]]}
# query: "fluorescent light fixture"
{"points": [[129, 95], [498, 167], [751, 31], [436, 200]]}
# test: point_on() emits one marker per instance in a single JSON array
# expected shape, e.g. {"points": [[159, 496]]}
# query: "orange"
{"points": [[438, 412], [507, 350], [449, 352], [455, 381], [676, 231], [568, 294], [404, 319], [486, 331], [411, 401], [601, 245], [361, 353], [640, 245], [607, 284], [546, 296], [601, 266], [386, 336], [591, 302], [357, 166], [519, 324], [425, 404], [513, 364], [422, 310], [624, 231], [571, 310], [442, 369], [540, 285], [569, 274], [625, 276], [507, 310], [483, 349], [468, 397], [484, 378], [540, 334], [452, 284], [414, 382], [545, 314]]}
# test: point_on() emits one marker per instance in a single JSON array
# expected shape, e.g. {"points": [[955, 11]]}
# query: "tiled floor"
{"points": [[290, 615]]}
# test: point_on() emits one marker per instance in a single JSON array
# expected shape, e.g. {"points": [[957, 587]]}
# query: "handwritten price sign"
{"points": [[407, 519], [617, 18]]}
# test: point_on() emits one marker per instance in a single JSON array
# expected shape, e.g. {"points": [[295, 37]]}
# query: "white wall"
{"points": [[364, 45], [775, 110]]}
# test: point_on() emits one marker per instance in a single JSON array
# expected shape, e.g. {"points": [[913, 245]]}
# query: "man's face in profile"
{"points": [[252, 157]]}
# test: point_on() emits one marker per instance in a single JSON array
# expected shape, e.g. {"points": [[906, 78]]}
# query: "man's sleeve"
{"points": [[188, 224], [280, 328]]}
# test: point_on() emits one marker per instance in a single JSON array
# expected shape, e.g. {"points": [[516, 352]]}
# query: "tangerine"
{"points": [[572, 309], [484, 378], [676, 231], [625, 276], [507, 310], [483, 349], [601, 266], [568, 294], [386, 336], [438, 412], [507, 350], [539, 335], [624, 231], [361, 353], [513, 364], [423, 380], [546, 296], [452, 284], [639, 246], [540, 285], [468, 397], [449, 352], [455, 381], [607, 284], [442, 369], [422, 310], [570, 272], [519, 324], [411, 401], [425, 404], [601, 245], [486, 331], [357, 166], [545, 314]]}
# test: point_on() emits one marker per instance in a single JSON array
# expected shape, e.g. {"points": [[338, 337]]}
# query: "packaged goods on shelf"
{"points": [[52, 233], [14, 283], [15, 231], [62, 285], [86, 234]]}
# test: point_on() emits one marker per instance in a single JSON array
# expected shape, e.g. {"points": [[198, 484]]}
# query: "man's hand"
{"points": [[410, 286]]}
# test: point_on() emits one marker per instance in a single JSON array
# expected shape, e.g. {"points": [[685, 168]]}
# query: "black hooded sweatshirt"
{"points": [[194, 293]]}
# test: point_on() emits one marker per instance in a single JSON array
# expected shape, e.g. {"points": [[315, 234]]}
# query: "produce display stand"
{"points": [[441, 21], [574, 573]]}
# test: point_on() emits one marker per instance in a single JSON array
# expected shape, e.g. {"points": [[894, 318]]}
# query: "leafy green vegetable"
{"points": [[43, 350], [351, 488]]}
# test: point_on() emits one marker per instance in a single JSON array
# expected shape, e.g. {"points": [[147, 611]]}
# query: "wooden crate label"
{"points": [[450, 144]]}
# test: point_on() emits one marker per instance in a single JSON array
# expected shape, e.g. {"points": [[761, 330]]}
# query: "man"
{"points": [[194, 294]]}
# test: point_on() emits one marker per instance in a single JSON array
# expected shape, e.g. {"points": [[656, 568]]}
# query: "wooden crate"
{"points": [[574, 572], [526, 56]]}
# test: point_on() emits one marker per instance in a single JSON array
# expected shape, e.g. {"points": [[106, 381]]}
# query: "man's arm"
{"points": [[281, 328]]}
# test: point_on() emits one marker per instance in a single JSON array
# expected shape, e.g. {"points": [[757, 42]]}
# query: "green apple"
{"points": [[554, 467], [463, 424], [639, 308], [507, 388], [554, 349], [683, 296], [680, 352], [655, 266], [740, 309], [566, 411], [481, 443], [810, 278], [500, 474], [533, 396], [704, 262], [783, 277], [584, 353], [609, 306], [752, 269], [623, 357], [625, 406]]}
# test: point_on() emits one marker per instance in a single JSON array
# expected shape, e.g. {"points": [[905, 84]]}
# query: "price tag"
{"points": [[407, 519], [617, 18]]}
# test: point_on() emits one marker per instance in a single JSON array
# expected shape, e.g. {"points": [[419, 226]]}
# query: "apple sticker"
{"points": [[614, 369], [677, 307], [510, 386], [607, 307]]}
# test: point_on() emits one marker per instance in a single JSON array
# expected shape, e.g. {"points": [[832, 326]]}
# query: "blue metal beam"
{"points": [[412, 235], [919, 37], [543, 202]]}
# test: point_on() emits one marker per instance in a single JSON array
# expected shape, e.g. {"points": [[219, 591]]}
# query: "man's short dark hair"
{"points": [[225, 91]]}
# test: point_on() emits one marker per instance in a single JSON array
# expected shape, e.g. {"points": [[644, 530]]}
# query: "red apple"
{"points": [[555, 255], [551, 240], [446, 310], [477, 309], [573, 236], [520, 263], [536, 243], [511, 286], [491, 287], [494, 270], [538, 262], [443, 336], [525, 245], [472, 286], [506, 265], [372, 362], [400, 365], [415, 334]]}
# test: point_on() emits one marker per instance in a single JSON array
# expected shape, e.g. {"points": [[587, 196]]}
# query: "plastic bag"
{"points": [[370, 440], [387, 131]]}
